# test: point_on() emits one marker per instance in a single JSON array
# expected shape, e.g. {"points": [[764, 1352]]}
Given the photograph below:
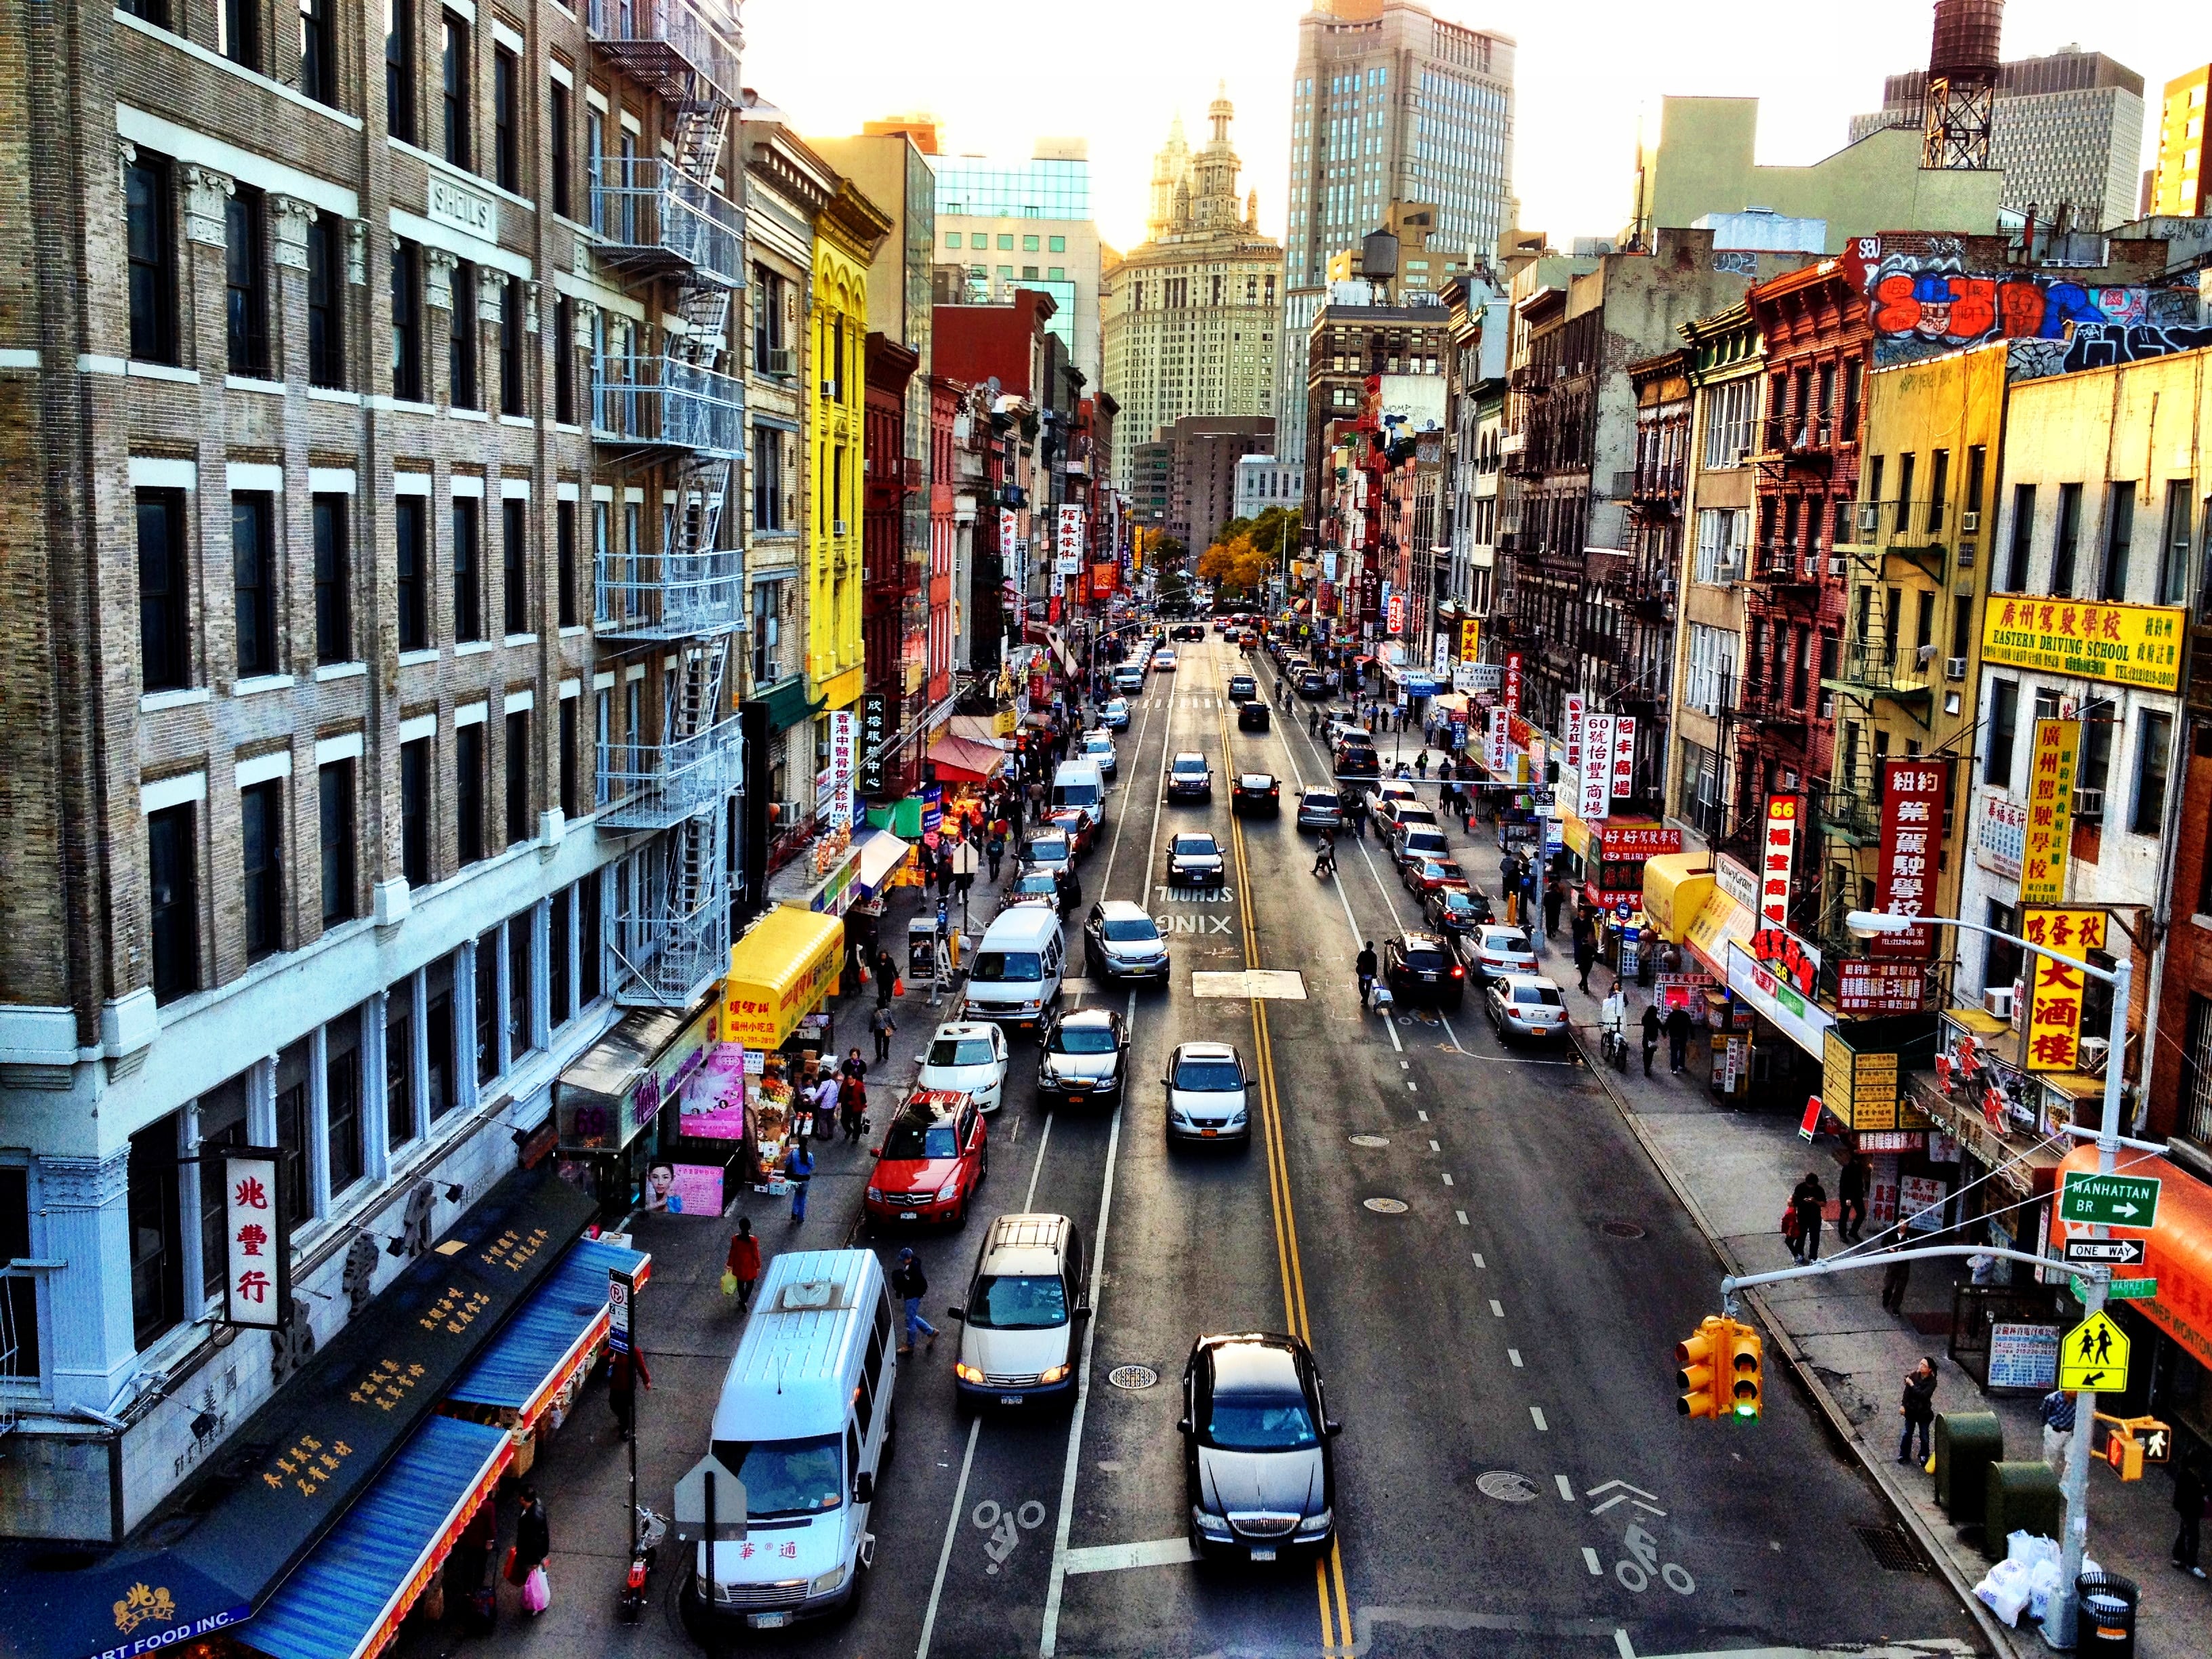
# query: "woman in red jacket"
{"points": [[744, 1260]]}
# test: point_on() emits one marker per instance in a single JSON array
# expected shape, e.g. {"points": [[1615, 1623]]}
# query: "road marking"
{"points": [[1118, 1558], [1589, 1560], [1447, 1180], [1566, 1489], [1462, 1214], [1434, 1147], [1479, 1261], [1414, 1087], [1405, 1065], [1497, 1308], [952, 1531], [1424, 1116], [1537, 1411], [1620, 1641], [1513, 1354], [1036, 1169]]}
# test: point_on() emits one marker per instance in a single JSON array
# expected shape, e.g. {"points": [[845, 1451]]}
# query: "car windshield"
{"points": [[915, 1135], [1261, 1423], [1017, 1302], [1425, 959], [1548, 995], [1190, 763], [785, 1477], [1083, 1040], [1008, 965], [1208, 1076], [1053, 847], [960, 1051], [1121, 931], [1195, 844], [1506, 940]]}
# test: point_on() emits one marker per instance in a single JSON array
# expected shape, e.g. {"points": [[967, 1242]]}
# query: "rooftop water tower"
{"points": [[1962, 81]]}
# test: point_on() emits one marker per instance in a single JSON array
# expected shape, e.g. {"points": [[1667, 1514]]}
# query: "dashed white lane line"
{"points": [[1479, 1261], [1513, 1354], [1462, 1214], [1589, 1560], [1423, 1116], [1434, 1147], [1405, 1065], [1566, 1487], [1496, 1308], [1413, 1086], [1447, 1180], [1537, 1413]]}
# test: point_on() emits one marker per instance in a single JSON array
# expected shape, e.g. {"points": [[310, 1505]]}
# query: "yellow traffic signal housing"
{"points": [[2124, 1453], [1699, 1360], [1746, 1354]]}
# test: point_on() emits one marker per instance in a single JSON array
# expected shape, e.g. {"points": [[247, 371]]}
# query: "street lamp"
{"points": [[2059, 1626]]}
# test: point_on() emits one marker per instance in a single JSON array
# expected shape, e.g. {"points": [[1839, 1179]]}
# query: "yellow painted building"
{"points": [[846, 238]]}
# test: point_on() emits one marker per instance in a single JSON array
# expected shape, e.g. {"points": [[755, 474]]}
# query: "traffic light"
{"points": [[1746, 1352], [1698, 1359]]}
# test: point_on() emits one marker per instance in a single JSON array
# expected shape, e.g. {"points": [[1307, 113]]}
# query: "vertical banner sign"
{"points": [[256, 1286], [1913, 789], [1441, 655], [1623, 757], [1499, 746], [1513, 682], [875, 731], [1597, 768], [2054, 1002], [1470, 639], [844, 740], [1775, 858], [1575, 706], [2049, 838], [1396, 625]]}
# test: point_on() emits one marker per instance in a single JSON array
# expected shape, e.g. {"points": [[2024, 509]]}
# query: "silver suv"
{"points": [[1017, 1340]]}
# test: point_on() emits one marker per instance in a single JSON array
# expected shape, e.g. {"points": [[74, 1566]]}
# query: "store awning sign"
{"points": [[2048, 841], [2120, 644], [1513, 681], [1796, 1017], [1790, 958], [1470, 639], [1623, 757], [256, 1287]]}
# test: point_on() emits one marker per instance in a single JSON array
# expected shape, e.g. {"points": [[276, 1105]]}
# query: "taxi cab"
{"points": [[932, 1157]]}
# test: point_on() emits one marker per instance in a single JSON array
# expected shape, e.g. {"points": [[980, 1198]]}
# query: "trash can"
{"points": [[1966, 1444], [2106, 1628]]}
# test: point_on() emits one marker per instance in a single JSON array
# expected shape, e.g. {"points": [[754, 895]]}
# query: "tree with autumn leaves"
{"points": [[1245, 551]]}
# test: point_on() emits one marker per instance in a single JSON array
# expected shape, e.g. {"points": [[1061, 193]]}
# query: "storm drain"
{"points": [[1891, 1548], [1133, 1377]]}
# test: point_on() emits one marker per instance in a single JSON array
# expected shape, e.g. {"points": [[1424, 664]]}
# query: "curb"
{"points": [[2000, 1639]]}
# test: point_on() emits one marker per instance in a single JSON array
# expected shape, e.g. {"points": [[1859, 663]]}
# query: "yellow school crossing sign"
{"points": [[2094, 1356]]}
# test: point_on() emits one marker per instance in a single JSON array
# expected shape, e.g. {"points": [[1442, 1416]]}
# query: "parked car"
{"points": [[1425, 876], [965, 1057], [1258, 1470], [935, 1153], [1048, 849], [1205, 1083], [1083, 1057], [1497, 950], [1457, 911], [1526, 1006], [1025, 1300], [1121, 941], [1194, 857], [1034, 884], [1129, 677], [1114, 715], [1256, 792], [1098, 746], [1312, 684], [1253, 716], [1383, 791], [1395, 817], [1424, 968], [1189, 777], [1351, 760], [1164, 661], [1078, 824], [1339, 727], [1241, 686], [1419, 842]]}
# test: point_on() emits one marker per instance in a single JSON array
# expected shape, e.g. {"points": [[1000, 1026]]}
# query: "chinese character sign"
{"points": [[1397, 622], [2054, 1002], [257, 1289], [1470, 639], [1513, 682], [1776, 857], [875, 731], [844, 739], [1068, 549], [1574, 706], [2120, 644], [1497, 759], [1914, 790], [1597, 768], [2048, 841], [1623, 757]]}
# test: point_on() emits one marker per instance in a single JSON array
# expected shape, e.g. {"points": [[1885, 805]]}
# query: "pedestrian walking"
{"points": [[995, 849], [1678, 1039], [2189, 1504], [1807, 1199], [853, 1066], [797, 1169], [1555, 899], [2058, 1414], [825, 1106], [1421, 763], [1851, 1197], [852, 1107], [886, 977], [626, 1374], [533, 1545], [1364, 966], [910, 1285], [1325, 859], [1650, 1035], [743, 1263], [1916, 1405], [1896, 1277], [882, 1025], [1585, 956]]}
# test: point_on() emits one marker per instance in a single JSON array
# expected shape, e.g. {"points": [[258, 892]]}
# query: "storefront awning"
{"points": [[2177, 1253], [1798, 1018], [882, 853], [1720, 923], [963, 760], [616, 1087], [779, 971], [1675, 887], [545, 1341], [346, 1599]]}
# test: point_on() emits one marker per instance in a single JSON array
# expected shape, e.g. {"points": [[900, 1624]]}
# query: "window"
{"points": [[1977, 467], [767, 478], [1005, 244], [415, 811], [261, 857], [2023, 531], [318, 59], [519, 932], [557, 120], [461, 340], [1729, 412], [2093, 770], [952, 238], [1907, 465], [165, 659], [487, 1009], [172, 858], [246, 284], [1939, 488], [2195, 1115], [569, 804], [150, 252], [334, 784], [1712, 667], [595, 156], [514, 563], [2153, 731], [454, 71], [221, 1114], [238, 34], [439, 1035], [2067, 540], [253, 580], [512, 391], [587, 941], [326, 303], [407, 322], [156, 12], [341, 1136], [558, 979], [627, 206], [518, 777], [400, 1064], [1029, 244], [399, 69], [333, 581], [468, 790], [468, 570], [768, 302], [409, 528], [157, 1252], [564, 361], [2001, 962], [2119, 531], [1056, 244], [2004, 719], [506, 138], [2173, 560], [293, 1107], [564, 551]]}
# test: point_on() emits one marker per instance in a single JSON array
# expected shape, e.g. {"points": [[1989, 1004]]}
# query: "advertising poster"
{"points": [[1879, 988], [2024, 1357], [713, 1104], [2118, 644], [2048, 841], [1921, 1198], [684, 1189]]}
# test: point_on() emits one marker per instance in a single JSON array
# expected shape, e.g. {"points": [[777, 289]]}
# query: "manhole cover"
{"points": [[1371, 1141], [1133, 1377], [1506, 1486], [1621, 1230], [1385, 1205]]}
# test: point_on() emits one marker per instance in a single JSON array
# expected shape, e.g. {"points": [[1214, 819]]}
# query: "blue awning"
{"points": [[533, 1355], [342, 1600]]}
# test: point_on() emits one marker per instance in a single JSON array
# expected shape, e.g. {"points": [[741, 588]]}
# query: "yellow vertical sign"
{"points": [[2054, 1000], [1470, 638], [2049, 813]]}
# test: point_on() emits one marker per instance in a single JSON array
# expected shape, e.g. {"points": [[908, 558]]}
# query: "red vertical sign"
{"points": [[1513, 682], [1913, 791], [1775, 858]]}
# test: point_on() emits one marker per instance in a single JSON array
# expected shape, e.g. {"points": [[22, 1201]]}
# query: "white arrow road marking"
{"points": [[1590, 1560], [1625, 1494]]}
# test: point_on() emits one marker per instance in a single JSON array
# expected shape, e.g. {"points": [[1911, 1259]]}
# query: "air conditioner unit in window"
{"points": [[1997, 1002], [2089, 806], [1954, 668], [1969, 522], [1870, 516], [1836, 563], [841, 527], [1727, 572]]}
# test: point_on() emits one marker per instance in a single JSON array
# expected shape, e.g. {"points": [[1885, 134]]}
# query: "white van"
{"points": [[1079, 783], [805, 1423], [1014, 975]]}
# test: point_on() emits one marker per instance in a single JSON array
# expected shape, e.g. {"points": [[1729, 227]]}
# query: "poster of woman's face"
{"points": [[659, 1183]]}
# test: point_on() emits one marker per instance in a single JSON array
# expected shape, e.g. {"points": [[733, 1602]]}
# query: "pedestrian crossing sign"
{"points": [[2095, 1355]]}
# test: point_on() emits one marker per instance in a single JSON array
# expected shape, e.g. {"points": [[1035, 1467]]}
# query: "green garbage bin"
{"points": [[2019, 1497], [1966, 1444]]}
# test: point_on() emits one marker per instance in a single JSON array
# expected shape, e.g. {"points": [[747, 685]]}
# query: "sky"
{"points": [[999, 78]]}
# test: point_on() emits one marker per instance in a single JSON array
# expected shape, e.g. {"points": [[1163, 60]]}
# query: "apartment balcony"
{"points": [[1799, 438], [1872, 668], [653, 219], [1850, 811], [670, 595], [656, 786], [664, 43], [1783, 572], [665, 402]]}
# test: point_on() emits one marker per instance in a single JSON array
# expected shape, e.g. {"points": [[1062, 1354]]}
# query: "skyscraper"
{"points": [[2183, 181], [1389, 103], [1026, 224]]}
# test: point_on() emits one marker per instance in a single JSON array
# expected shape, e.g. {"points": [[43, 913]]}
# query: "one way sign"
{"points": [[2105, 1252]]}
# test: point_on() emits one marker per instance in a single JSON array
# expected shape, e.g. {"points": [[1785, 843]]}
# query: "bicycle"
{"points": [[1612, 1047]]}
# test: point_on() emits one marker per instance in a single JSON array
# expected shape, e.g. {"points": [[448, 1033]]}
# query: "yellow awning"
{"points": [[782, 969], [1718, 921], [1575, 834], [1675, 887]]}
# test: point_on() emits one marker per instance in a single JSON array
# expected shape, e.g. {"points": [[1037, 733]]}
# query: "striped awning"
{"points": [[559, 1326]]}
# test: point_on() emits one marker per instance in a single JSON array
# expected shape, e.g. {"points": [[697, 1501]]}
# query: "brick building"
{"points": [[894, 598]]}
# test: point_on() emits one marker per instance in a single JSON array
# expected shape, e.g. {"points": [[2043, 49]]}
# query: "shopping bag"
{"points": [[506, 1572], [729, 1283], [898, 986], [537, 1593]]}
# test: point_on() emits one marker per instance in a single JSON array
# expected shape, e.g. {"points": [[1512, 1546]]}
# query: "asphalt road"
{"points": [[1495, 1334]]}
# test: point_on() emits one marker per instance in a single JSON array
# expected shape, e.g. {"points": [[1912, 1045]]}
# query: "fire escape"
{"points": [[674, 418]]}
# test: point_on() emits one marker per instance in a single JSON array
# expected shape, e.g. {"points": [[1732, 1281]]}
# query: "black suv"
{"points": [[1189, 778], [1252, 716]]}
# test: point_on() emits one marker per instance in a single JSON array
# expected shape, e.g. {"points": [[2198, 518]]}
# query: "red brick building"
{"points": [[892, 582], [945, 398]]}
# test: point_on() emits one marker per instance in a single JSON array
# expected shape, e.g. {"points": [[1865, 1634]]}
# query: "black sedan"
{"points": [[1455, 910], [1258, 1471], [1252, 716], [1257, 792], [1084, 1056], [1424, 968]]}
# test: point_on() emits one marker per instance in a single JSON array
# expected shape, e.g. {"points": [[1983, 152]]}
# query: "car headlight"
{"points": [[1053, 1373], [1314, 1523], [1213, 1526], [823, 1583], [968, 1373], [950, 1189]]}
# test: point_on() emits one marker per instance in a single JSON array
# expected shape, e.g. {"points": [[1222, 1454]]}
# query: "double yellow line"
{"points": [[1336, 1636]]}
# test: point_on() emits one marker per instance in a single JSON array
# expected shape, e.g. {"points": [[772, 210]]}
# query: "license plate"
{"points": [[909, 1215], [1010, 1399], [1428, 979], [1208, 1134], [778, 1620], [1263, 1552]]}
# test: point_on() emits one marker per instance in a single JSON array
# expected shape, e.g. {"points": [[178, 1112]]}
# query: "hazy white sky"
{"points": [[998, 77]]}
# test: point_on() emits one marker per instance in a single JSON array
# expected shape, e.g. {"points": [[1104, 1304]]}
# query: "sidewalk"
{"points": [[1734, 1170]]}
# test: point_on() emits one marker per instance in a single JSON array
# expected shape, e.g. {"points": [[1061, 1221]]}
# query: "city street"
{"points": [[1491, 1274]]}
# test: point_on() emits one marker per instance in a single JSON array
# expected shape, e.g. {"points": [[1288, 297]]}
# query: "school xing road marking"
{"points": [[1253, 984]]}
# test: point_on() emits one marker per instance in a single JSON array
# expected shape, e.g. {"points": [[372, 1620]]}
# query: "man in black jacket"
{"points": [[909, 1283], [1364, 965], [1809, 1198]]}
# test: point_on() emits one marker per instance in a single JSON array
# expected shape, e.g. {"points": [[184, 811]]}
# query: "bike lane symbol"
{"points": [[1005, 1526]]}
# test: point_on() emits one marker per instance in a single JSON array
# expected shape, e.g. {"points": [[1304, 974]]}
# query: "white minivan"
{"points": [[805, 1423], [1014, 976], [1080, 782]]}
